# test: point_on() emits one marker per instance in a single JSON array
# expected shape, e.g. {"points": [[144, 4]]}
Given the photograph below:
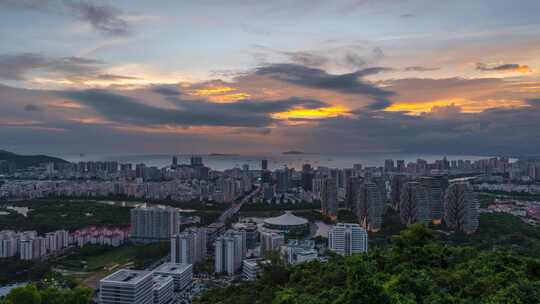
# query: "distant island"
{"points": [[222, 154], [25, 161], [293, 152]]}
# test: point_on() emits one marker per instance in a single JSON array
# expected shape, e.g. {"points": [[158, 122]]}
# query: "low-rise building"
{"points": [[127, 287], [182, 274], [163, 289]]}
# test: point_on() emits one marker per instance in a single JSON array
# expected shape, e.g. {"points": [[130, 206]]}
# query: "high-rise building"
{"points": [[127, 286], [264, 164], [282, 177], [351, 193], [189, 247], [306, 178], [389, 165], [370, 206], [461, 208], [230, 250], [329, 197], [196, 161], [348, 239], [400, 164], [26, 249], [154, 223], [397, 184], [271, 241], [435, 187], [414, 204], [174, 161]]}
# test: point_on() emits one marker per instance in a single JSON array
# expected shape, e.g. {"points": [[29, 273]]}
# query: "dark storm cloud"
{"points": [[129, 110], [418, 68], [350, 83], [503, 67], [104, 18], [166, 90]]}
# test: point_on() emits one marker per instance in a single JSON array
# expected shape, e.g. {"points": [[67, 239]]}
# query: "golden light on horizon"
{"points": [[317, 113]]}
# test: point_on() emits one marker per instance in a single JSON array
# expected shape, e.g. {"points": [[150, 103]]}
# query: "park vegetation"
{"points": [[51, 215]]}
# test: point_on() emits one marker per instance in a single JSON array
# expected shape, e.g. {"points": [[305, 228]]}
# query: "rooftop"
{"points": [[161, 281], [172, 268], [287, 219], [127, 276]]}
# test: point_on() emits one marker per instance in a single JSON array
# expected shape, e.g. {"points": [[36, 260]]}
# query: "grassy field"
{"points": [[91, 263]]}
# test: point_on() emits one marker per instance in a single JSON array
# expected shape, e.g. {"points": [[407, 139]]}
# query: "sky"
{"points": [[247, 77]]}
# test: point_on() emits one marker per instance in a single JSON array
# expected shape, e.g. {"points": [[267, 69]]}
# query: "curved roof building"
{"points": [[286, 223]]}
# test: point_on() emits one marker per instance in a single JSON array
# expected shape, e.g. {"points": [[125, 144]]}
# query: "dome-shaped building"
{"points": [[287, 223]]}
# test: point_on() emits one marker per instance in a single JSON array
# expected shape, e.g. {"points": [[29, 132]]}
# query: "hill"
{"points": [[25, 161]]}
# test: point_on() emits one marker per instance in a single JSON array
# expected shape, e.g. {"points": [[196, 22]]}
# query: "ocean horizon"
{"points": [[275, 161]]}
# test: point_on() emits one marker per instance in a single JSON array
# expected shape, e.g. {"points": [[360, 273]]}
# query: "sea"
{"points": [[275, 161]]}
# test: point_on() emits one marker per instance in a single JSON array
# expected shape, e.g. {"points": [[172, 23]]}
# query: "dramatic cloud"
{"points": [[510, 67], [104, 18], [350, 83], [446, 130], [119, 108]]}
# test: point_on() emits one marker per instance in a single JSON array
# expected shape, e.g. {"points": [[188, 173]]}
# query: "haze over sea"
{"points": [[275, 161]]}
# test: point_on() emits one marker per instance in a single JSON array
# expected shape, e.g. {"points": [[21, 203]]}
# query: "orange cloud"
{"points": [[219, 93], [229, 97], [211, 91], [466, 106]]}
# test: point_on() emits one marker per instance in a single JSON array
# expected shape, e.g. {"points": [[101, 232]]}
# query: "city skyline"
{"points": [[251, 77]]}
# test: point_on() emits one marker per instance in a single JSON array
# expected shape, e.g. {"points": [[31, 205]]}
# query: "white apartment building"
{"points": [[230, 250], [348, 239], [189, 247]]}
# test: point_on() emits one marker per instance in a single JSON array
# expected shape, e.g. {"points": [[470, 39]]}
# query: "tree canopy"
{"points": [[415, 268]]}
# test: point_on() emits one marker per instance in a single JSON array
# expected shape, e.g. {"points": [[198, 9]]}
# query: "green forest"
{"points": [[416, 267]]}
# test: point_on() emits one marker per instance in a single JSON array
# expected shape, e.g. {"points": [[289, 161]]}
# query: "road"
{"points": [[236, 206]]}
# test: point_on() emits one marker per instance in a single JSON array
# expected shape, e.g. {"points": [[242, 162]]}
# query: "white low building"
{"points": [[182, 274], [127, 287], [163, 289]]}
